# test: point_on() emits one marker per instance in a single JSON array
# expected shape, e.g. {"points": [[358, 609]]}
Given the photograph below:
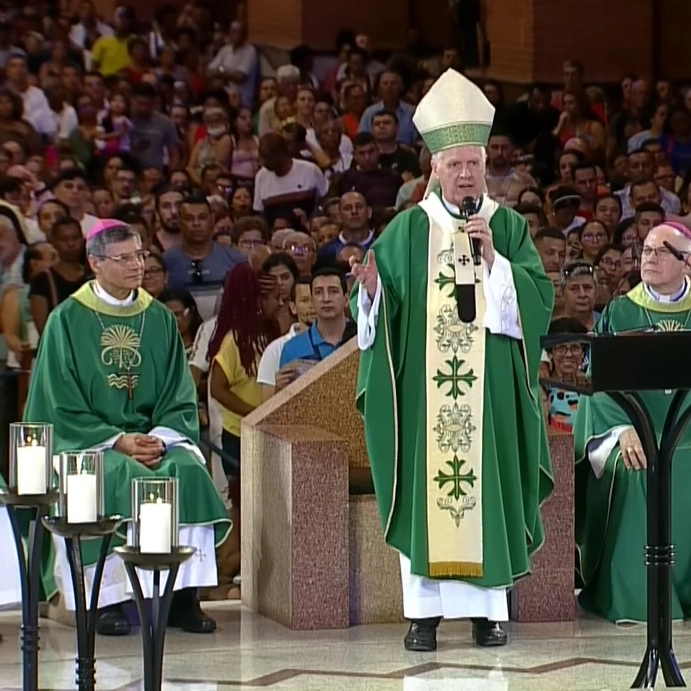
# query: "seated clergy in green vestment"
{"points": [[610, 478], [111, 373], [451, 404]]}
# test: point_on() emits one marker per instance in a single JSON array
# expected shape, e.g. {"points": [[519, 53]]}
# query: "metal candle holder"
{"points": [[81, 515], [154, 548], [31, 487]]}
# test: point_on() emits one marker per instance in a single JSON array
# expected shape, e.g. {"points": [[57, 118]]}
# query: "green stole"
{"points": [[454, 375]]}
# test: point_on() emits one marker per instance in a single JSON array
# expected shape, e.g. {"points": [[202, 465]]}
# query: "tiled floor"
{"points": [[250, 652]]}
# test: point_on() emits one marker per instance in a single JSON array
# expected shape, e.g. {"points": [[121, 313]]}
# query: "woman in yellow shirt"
{"points": [[245, 326]]}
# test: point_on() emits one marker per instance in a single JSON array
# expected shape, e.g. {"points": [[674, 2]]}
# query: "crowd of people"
{"points": [[253, 188]]}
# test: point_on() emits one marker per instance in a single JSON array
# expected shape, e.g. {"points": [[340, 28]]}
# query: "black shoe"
{"points": [[112, 621], [422, 635], [186, 614], [488, 634]]}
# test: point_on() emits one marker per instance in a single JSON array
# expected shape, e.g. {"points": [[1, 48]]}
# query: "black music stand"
{"points": [[620, 367]]}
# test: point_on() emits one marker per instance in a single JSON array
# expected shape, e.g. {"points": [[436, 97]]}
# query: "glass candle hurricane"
{"points": [[155, 514], [81, 486], [31, 454]]}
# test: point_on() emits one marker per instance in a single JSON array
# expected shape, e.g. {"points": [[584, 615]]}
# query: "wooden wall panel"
{"points": [[276, 23]]}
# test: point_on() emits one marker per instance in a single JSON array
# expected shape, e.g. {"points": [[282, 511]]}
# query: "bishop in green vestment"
{"points": [[451, 405], [610, 477], [111, 373]]}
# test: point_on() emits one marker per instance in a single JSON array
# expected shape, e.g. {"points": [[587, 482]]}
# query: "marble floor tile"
{"points": [[251, 652]]}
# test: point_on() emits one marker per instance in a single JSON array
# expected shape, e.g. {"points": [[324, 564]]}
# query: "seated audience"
{"points": [[283, 269], [551, 246], [328, 331], [248, 233], [53, 286], [181, 303], [579, 288], [270, 376], [303, 249], [356, 226], [198, 263], [566, 363], [367, 176], [155, 279], [285, 183], [18, 327]]}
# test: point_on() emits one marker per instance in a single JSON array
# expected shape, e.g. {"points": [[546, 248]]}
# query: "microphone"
{"points": [[467, 210], [674, 251]]}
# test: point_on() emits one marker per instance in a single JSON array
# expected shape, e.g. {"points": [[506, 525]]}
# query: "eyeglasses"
{"points": [[154, 271], [591, 237], [300, 249], [661, 252], [608, 261], [571, 348], [250, 243], [197, 273], [128, 258], [181, 315]]}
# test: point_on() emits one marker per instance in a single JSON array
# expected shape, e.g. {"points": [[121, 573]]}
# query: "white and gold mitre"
{"points": [[454, 112]]}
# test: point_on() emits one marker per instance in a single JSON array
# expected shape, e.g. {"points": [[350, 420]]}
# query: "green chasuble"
{"points": [[611, 500], [392, 396], [102, 371]]}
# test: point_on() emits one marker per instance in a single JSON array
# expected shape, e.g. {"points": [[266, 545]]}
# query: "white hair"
{"points": [[287, 72], [298, 232], [441, 155]]}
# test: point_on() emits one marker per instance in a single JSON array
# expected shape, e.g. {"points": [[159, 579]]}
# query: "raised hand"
{"points": [[366, 275], [478, 228]]}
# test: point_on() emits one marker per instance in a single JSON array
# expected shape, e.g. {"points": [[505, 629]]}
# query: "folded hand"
{"points": [[142, 447]]}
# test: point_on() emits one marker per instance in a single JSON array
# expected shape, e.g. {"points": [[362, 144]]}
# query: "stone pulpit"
{"points": [[313, 553]]}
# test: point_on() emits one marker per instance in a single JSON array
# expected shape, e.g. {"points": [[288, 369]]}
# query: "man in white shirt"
{"points": [[63, 117], [70, 188], [269, 376], [285, 183], [36, 109], [237, 62], [89, 28]]}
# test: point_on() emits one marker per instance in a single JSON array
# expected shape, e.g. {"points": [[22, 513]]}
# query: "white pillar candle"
{"points": [[82, 503], [31, 470], [155, 519]]}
